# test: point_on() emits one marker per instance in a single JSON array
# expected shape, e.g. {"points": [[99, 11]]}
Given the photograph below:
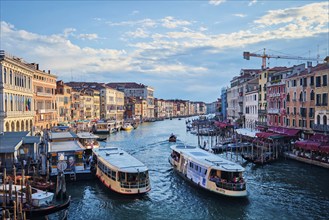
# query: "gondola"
{"points": [[43, 211]]}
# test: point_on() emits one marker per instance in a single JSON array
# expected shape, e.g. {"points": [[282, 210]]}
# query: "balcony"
{"points": [[42, 111], [260, 123], [44, 94], [273, 111], [324, 128], [262, 112], [17, 114]]}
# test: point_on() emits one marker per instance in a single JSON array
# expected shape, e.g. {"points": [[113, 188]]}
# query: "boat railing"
{"points": [[134, 185], [232, 186]]}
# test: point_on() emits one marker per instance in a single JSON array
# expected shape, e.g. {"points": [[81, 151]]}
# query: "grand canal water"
{"points": [[283, 190]]}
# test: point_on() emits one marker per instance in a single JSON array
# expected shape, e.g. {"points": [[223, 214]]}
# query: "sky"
{"points": [[186, 50]]}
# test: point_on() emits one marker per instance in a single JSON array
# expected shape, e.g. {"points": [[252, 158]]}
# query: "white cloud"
{"points": [[69, 31], [143, 23], [87, 36], [316, 12], [135, 12], [138, 33], [252, 2], [240, 15], [170, 22], [216, 2]]}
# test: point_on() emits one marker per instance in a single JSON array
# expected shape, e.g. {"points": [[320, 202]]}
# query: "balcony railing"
{"points": [[44, 94], [262, 112], [273, 111], [260, 123], [320, 127]]}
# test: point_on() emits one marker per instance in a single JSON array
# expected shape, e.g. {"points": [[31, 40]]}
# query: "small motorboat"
{"points": [[172, 138]]}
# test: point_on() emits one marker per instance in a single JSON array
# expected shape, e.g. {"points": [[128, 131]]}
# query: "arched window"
{"points": [[301, 96], [325, 120], [288, 97], [11, 77], [312, 95], [5, 76], [304, 98], [318, 119]]}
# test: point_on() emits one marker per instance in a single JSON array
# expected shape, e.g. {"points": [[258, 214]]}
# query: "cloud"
{"points": [[252, 2], [143, 23], [216, 2], [138, 33], [170, 22], [240, 15], [87, 36], [316, 13], [69, 31]]}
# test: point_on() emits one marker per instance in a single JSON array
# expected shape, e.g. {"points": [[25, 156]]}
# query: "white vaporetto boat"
{"points": [[120, 171], [88, 140], [208, 171]]}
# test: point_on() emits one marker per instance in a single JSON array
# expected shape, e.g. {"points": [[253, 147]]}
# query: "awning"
{"points": [[308, 145], [266, 135], [320, 138], [222, 124], [324, 148], [283, 130]]}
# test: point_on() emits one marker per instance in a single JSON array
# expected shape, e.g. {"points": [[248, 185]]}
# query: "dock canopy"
{"points": [[285, 131], [324, 148], [308, 145], [268, 135], [222, 124]]}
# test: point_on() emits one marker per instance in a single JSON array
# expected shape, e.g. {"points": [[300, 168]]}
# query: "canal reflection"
{"points": [[283, 190]]}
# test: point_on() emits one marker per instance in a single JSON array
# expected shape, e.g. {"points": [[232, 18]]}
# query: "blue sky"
{"points": [[183, 49]]}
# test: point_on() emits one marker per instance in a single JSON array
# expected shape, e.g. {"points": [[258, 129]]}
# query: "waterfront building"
{"points": [[251, 103], [321, 91], [262, 96], [159, 108], [44, 95], [112, 104], [142, 91], [76, 105], [169, 106], [16, 94], [224, 103], [93, 108], [300, 100], [213, 107], [64, 103], [199, 108]]}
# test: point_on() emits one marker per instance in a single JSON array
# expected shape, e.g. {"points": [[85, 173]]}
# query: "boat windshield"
{"points": [[228, 180], [133, 180]]}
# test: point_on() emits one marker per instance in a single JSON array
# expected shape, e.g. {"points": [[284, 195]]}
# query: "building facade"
{"points": [[44, 95], [16, 94]]}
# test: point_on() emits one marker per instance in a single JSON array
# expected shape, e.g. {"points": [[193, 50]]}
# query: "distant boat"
{"points": [[127, 126], [88, 140], [172, 138], [208, 171], [120, 171]]}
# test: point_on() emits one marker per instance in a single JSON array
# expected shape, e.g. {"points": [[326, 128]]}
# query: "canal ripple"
{"points": [[283, 190]]}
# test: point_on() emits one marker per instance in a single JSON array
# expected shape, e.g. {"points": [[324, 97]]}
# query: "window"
{"points": [[294, 110], [318, 81], [293, 122], [312, 81], [311, 113], [265, 75], [288, 97], [325, 120], [312, 95], [300, 81], [288, 111], [300, 124], [287, 122], [325, 99], [324, 80], [304, 82], [318, 119], [318, 99]]}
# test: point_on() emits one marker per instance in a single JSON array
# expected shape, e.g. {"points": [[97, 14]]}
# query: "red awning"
{"points": [[320, 138], [283, 130], [222, 124], [324, 148], [308, 145], [266, 134]]}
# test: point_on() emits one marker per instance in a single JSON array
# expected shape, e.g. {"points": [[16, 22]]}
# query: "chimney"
{"points": [[309, 66], [48, 71]]}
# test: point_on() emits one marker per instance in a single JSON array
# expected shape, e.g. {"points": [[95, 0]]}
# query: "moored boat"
{"points": [[127, 126], [208, 171], [38, 197], [88, 140], [120, 171]]}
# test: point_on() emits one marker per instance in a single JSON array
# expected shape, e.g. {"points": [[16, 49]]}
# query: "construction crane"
{"points": [[264, 56]]}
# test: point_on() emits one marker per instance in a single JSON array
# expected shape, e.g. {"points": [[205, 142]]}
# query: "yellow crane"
{"points": [[264, 56]]}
